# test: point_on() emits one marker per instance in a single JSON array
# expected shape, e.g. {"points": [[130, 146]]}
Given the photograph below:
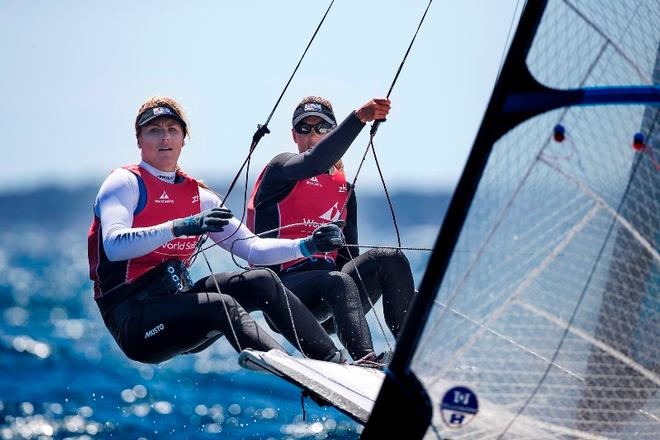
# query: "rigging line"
{"points": [[263, 129], [245, 191], [366, 292], [224, 304], [606, 240], [364, 288], [259, 133], [247, 238], [387, 195], [204, 237], [300, 61], [366, 246], [401, 248], [357, 271], [506, 43], [374, 126], [202, 250], [409, 47], [651, 129], [231, 251], [436, 432], [198, 247], [372, 133], [280, 284]]}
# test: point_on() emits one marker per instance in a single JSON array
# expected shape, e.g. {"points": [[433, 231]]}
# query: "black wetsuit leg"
{"points": [[158, 328], [384, 272], [261, 289], [331, 294]]}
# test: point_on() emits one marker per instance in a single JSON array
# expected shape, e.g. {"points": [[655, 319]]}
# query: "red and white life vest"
{"points": [[164, 201], [311, 203]]}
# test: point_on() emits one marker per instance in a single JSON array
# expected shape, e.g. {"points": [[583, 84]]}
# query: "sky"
{"points": [[75, 72]]}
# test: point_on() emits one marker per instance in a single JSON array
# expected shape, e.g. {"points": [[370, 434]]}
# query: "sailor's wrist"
{"points": [[304, 249], [357, 116]]}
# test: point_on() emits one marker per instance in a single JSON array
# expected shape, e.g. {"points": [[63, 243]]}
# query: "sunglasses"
{"points": [[320, 128]]}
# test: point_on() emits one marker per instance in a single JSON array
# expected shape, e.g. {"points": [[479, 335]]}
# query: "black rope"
{"points": [[261, 234], [372, 133], [262, 129], [506, 43], [387, 195], [374, 129], [374, 126], [258, 134]]}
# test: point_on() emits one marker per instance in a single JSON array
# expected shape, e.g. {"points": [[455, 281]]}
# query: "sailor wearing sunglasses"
{"points": [[295, 193]]}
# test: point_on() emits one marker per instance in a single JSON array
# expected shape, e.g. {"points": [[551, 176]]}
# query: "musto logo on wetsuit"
{"points": [[153, 331]]}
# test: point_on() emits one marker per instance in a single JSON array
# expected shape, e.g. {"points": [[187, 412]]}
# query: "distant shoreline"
{"points": [[55, 204]]}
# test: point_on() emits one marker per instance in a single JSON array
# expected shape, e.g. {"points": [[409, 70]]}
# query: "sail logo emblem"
{"points": [[164, 198], [331, 214], [458, 407]]}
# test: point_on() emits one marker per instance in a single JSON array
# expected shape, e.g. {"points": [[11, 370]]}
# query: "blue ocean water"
{"points": [[64, 377]]}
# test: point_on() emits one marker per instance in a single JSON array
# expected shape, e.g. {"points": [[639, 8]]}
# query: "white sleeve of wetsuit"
{"points": [[114, 205], [238, 239]]}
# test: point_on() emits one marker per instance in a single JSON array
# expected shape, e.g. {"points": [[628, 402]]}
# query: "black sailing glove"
{"points": [[211, 220], [325, 238]]}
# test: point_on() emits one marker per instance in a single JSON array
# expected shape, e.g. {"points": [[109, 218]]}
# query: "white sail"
{"points": [[549, 310]]}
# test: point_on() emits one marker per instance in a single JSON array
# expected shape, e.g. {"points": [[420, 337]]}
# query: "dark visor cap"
{"points": [[156, 112], [313, 109]]}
